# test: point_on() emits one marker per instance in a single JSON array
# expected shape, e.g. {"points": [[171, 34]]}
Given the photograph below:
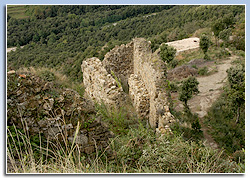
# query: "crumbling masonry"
{"points": [[140, 71]]}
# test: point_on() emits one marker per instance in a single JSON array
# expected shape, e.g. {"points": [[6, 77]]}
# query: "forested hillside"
{"points": [[55, 126], [62, 36]]}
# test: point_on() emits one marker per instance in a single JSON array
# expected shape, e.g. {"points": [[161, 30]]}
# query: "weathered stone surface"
{"points": [[151, 70], [100, 85], [120, 61], [139, 96], [184, 45], [144, 72], [55, 113]]}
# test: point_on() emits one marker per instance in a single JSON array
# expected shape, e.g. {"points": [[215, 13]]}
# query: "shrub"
{"points": [[173, 63], [171, 154], [167, 53], [236, 93], [196, 129], [224, 35], [119, 120], [204, 45], [203, 71], [189, 87], [47, 75], [227, 114]]}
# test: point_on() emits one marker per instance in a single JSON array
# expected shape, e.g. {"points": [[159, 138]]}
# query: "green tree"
{"points": [[236, 93], [189, 87], [217, 27], [222, 24], [52, 38], [196, 129], [167, 53], [204, 44], [224, 35]]}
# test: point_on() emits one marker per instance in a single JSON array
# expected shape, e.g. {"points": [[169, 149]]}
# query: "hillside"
{"points": [[64, 40], [135, 89]]}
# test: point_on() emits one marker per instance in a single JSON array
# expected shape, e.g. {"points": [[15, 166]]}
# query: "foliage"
{"points": [[139, 151], [174, 63], [223, 23], [19, 143], [224, 34], [167, 53], [204, 43], [239, 36], [203, 71], [236, 93], [189, 87], [196, 129], [65, 35], [117, 80], [224, 130], [47, 75], [57, 38], [217, 27], [119, 120], [172, 154], [222, 27], [227, 114]]}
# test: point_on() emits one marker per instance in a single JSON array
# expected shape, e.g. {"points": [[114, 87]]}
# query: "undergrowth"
{"points": [[139, 151]]}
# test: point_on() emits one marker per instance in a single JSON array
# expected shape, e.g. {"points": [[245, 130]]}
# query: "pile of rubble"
{"points": [[38, 106]]}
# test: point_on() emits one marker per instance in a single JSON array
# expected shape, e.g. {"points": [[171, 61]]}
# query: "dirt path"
{"points": [[210, 88]]}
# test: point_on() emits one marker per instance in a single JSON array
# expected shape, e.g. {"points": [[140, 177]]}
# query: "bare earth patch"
{"points": [[12, 49], [210, 88]]}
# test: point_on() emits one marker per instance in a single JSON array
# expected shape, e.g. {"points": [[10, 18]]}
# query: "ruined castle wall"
{"points": [[120, 61], [142, 70], [100, 85], [150, 68], [139, 96]]}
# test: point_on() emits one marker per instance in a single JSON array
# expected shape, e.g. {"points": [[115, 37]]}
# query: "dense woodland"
{"points": [[58, 38], [62, 36]]}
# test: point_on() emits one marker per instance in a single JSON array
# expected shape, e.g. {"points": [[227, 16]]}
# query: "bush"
{"points": [[203, 71], [173, 63], [189, 87], [167, 53], [204, 45], [171, 154], [227, 114], [119, 120], [47, 75]]}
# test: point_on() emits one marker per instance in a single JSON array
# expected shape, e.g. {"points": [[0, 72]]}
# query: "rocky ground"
{"points": [[38, 106]]}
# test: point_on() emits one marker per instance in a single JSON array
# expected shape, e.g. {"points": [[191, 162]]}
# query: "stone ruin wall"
{"points": [[139, 96], [55, 117], [151, 70], [100, 85], [141, 70], [120, 61]]}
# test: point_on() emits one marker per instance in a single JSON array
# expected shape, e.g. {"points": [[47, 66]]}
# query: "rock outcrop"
{"points": [[38, 106]]}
